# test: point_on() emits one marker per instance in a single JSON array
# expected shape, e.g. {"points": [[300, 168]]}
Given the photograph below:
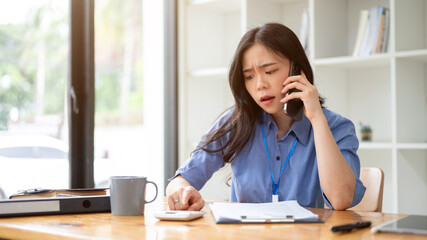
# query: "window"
{"points": [[34, 52], [119, 85], [33, 78], [129, 88]]}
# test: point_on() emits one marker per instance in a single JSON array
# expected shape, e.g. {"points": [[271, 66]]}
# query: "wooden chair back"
{"points": [[373, 180]]}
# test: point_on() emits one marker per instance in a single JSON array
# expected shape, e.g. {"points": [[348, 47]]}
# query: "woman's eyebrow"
{"points": [[266, 65], [261, 66]]}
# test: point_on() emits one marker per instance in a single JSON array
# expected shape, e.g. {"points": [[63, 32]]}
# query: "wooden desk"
{"points": [[107, 226]]}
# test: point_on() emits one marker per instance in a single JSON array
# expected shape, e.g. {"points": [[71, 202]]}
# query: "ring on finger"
{"points": [[175, 201]]}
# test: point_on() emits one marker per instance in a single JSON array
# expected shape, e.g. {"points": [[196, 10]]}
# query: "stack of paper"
{"points": [[233, 212]]}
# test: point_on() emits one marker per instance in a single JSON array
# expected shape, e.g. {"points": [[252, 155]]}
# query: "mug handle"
{"points": [[156, 192]]}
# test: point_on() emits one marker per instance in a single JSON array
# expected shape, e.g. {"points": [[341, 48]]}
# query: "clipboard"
{"points": [[263, 213], [54, 206], [256, 219], [265, 219]]}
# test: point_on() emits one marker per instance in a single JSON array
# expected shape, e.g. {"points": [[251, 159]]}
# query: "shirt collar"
{"points": [[301, 129]]}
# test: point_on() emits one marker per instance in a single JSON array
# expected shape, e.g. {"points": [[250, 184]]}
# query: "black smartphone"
{"points": [[294, 108]]}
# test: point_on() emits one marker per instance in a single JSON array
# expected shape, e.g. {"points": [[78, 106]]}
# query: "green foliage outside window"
{"points": [[34, 63]]}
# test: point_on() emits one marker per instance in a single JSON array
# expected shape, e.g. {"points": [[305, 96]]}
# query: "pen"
{"points": [[351, 226]]}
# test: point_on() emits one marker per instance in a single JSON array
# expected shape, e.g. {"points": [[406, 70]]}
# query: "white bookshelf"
{"points": [[388, 91]]}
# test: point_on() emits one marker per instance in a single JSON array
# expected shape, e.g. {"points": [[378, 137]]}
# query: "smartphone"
{"points": [[294, 108]]}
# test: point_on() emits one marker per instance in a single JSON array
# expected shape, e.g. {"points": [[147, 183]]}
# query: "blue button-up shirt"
{"points": [[251, 176]]}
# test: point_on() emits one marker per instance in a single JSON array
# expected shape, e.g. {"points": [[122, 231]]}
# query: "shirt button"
{"points": [[278, 158]]}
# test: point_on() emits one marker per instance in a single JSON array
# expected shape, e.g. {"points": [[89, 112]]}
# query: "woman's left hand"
{"points": [[309, 95]]}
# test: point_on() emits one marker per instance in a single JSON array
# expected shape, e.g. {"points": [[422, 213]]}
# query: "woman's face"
{"points": [[264, 73]]}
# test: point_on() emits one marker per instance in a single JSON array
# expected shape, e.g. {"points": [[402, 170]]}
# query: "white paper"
{"points": [[232, 212]]}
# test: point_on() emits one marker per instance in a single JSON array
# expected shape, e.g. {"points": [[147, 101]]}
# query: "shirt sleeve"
{"points": [[344, 133], [201, 165]]}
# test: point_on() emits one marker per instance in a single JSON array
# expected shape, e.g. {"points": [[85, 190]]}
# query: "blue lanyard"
{"points": [[276, 185]]}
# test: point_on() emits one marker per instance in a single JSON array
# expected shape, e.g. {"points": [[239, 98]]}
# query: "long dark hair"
{"points": [[283, 42]]}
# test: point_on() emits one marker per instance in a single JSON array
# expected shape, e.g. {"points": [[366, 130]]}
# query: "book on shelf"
{"points": [[377, 11], [380, 29], [373, 31], [363, 22], [365, 37], [386, 33], [52, 193]]}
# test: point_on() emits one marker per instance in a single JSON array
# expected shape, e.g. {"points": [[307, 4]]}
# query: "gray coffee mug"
{"points": [[127, 195]]}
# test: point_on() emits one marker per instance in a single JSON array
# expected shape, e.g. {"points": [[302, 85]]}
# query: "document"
{"points": [[279, 212]]}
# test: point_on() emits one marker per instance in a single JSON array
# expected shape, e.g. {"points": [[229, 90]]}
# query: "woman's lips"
{"points": [[267, 99]]}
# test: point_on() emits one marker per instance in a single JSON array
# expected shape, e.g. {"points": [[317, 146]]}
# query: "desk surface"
{"points": [[107, 226]]}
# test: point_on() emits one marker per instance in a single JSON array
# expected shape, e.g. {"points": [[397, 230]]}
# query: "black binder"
{"points": [[52, 206]]}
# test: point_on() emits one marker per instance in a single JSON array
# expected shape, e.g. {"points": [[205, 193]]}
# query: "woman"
{"points": [[272, 156]]}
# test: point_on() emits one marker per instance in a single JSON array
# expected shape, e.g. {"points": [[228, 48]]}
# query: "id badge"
{"points": [[275, 198]]}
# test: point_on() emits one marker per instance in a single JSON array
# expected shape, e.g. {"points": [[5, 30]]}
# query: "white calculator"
{"points": [[178, 215]]}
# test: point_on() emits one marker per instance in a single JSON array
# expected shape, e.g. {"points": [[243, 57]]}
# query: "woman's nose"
{"points": [[261, 82]]}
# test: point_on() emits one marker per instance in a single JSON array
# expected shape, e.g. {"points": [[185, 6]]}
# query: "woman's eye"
{"points": [[270, 72], [249, 77]]}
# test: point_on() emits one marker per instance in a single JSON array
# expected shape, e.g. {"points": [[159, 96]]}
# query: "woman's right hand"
{"points": [[182, 196]]}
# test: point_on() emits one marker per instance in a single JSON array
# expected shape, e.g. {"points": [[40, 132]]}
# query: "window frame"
{"points": [[81, 94], [171, 90]]}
